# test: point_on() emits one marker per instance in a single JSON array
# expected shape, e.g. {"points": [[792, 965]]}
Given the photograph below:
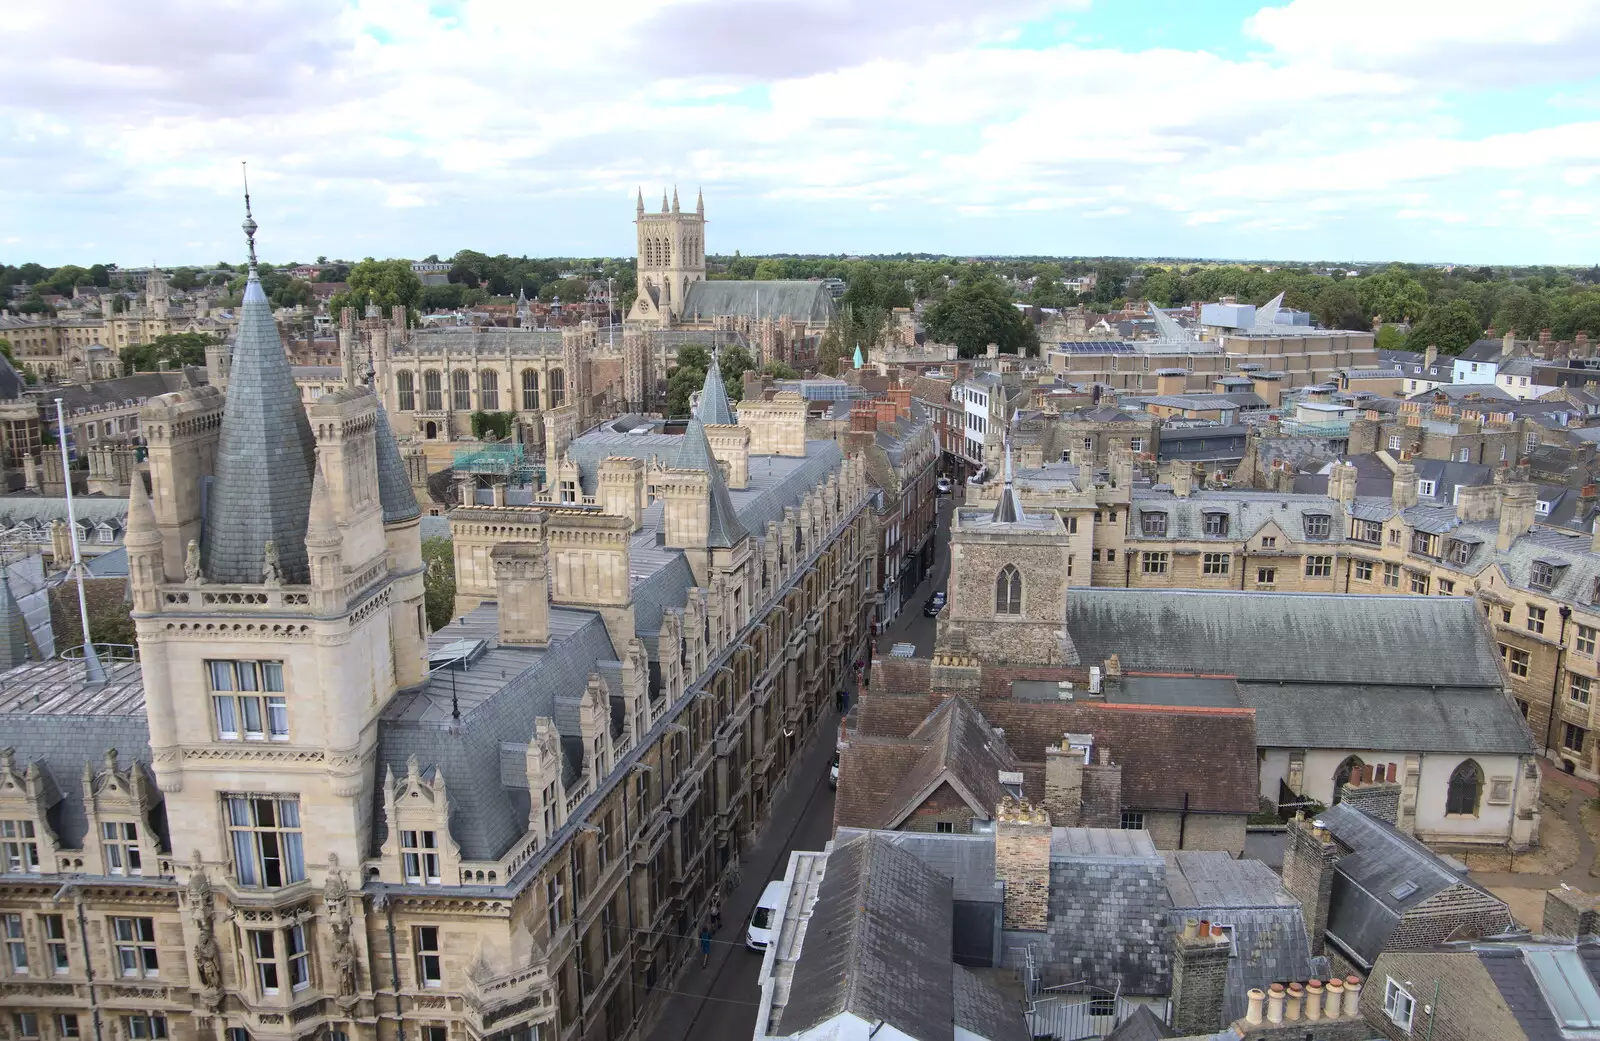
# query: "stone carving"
{"points": [[336, 902], [271, 572], [207, 955], [191, 564]]}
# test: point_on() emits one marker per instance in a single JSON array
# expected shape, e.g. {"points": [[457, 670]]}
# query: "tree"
{"points": [[689, 374], [976, 313], [436, 298], [438, 581], [772, 370], [333, 272], [568, 289], [1392, 296], [495, 425], [64, 278], [1390, 338], [183, 279], [735, 362], [1162, 288], [387, 283], [769, 271], [1451, 327], [99, 275], [170, 350], [1339, 307], [830, 351]]}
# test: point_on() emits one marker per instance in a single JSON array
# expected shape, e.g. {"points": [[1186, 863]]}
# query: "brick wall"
{"points": [[1224, 831], [1460, 912], [1022, 862], [1199, 980], [1379, 800], [944, 806]]}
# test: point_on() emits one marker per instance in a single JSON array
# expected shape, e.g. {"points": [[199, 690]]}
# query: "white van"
{"points": [[765, 918]]}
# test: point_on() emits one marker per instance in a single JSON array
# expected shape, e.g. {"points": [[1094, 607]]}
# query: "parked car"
{"points": [[943, 485], [763, 920], [934, 605], [833, 772]]}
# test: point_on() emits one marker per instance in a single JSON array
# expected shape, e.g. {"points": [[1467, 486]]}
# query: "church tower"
{"points": [[672, 257], [156, 298]]}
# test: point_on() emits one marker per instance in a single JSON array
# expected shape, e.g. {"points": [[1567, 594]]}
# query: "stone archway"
{"points": [[431, 430]]}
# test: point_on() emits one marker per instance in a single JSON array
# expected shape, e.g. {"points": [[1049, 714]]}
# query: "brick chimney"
{"points": [[1431, 355], [1516, 514], [864, 419], [1199, 978], [1478, 502], [1063, 783], [1342, 483], [1570, 913], [1308, 862], [1022, 862], [901, 396], [1102, 792], [1405, 486]]}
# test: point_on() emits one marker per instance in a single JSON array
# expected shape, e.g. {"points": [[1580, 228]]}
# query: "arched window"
{"points": [[530, 390], [1341, 776], [1466, 785], [558, 388], [489, 390], [432, 394], [461, 390], [405, 386], [1008, 591]]}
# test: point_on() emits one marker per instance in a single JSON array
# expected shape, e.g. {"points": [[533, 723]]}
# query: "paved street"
{"points": [[720, 1001]]}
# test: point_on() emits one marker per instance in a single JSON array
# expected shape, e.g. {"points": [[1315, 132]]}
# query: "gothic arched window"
{"points": [[1008, 591], [1466, 784], [405, 386], [489, 390], [461, 390], [530, 390], [432, 393], [558, 388], [1342, 775]]}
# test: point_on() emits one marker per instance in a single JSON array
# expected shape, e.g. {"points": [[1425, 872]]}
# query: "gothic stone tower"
{"points": [[671, 257], [272, 633]]}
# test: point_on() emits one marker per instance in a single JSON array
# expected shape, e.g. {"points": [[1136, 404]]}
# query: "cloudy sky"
{"points": [[1465, 130]]}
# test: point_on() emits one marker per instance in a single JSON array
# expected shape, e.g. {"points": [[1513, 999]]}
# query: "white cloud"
{"points": [[813, 124]]}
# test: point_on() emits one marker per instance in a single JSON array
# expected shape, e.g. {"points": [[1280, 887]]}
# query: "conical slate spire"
{"points": [[674, 198], [723, 527], [399, 502], [1009, 509], [714, 407], [641, 202], [265, 456], [700, 202]]}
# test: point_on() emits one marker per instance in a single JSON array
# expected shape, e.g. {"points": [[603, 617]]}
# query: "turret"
{"points": [[324, 549], [146, 570]]}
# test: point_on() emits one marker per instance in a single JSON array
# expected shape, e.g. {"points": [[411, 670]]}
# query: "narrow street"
{"points": [[720, 1000]]}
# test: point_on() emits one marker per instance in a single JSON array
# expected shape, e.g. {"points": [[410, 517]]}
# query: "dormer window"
{"points": [[1543, 574], [1542, 507], [1216, 524], [1460, 552], [119, 841], [1425, 542], [419, 852], [1367, 531], [1318, 525], [1153, 523], [1426, 488]]}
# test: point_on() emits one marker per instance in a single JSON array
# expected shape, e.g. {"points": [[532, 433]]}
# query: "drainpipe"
{"points": [[88, 963], [1555, 685], [1349, 564], [394, 971]]}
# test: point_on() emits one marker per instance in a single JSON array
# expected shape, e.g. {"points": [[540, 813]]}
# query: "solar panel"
{"points": [[1566, 987]]}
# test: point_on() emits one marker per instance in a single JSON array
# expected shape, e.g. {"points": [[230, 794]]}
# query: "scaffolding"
{"points": [[506, 460]]}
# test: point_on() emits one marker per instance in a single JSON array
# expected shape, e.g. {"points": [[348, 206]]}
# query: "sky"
{"points": [[1359, 130]]}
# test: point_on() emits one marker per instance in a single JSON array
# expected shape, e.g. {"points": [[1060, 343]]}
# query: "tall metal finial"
{"points": [[249, 221]]}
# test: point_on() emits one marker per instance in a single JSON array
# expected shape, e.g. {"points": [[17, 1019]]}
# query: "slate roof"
{"points": [[723, 528], [1364, 909], [714, 407], [119, 391], [984, 1011], [394, 485], [1142, 1025], [1247, 512], [878, 945], [1108, 917], [1287, 637], [1467, 720], [805, 302], [885, 781], [1269, 929], [265, 458]]}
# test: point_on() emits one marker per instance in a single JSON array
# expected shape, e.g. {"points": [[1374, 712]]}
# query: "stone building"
{"points": [[320, 817]]}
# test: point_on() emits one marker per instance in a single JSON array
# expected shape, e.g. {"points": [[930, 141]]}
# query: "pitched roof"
{"points": [[954, 745], [1468, 720], [985, 1012], [803, 301], [1287, 637], [265, 458], [878, 945]]}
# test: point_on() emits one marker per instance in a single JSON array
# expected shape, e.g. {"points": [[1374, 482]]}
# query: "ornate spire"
{"points": [[141, 527], [663, 200], [700, 202], [674, 198], [265, 453], [641, 202], [322, 527], [249, 221], [723, 527], [714, 406], [1009, 509]]}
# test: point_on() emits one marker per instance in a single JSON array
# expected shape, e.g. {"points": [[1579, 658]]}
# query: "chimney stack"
{"points": [[1199, 979], [1022, 862], [1516, 514], [522, 583], [1063, 783], [1405, 486], [1182, 480], [1308, 862]]}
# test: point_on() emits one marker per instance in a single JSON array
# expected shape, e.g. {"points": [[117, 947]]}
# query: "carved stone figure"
{"points": [[191, 564], [345, 962], [208, 960], [271, 572]]}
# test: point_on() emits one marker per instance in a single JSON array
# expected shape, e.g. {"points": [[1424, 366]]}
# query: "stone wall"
{"points": [[1570, 913]]}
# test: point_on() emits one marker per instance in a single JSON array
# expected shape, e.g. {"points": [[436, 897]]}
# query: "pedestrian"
{"points": [[705, 946], [716, 910]]}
